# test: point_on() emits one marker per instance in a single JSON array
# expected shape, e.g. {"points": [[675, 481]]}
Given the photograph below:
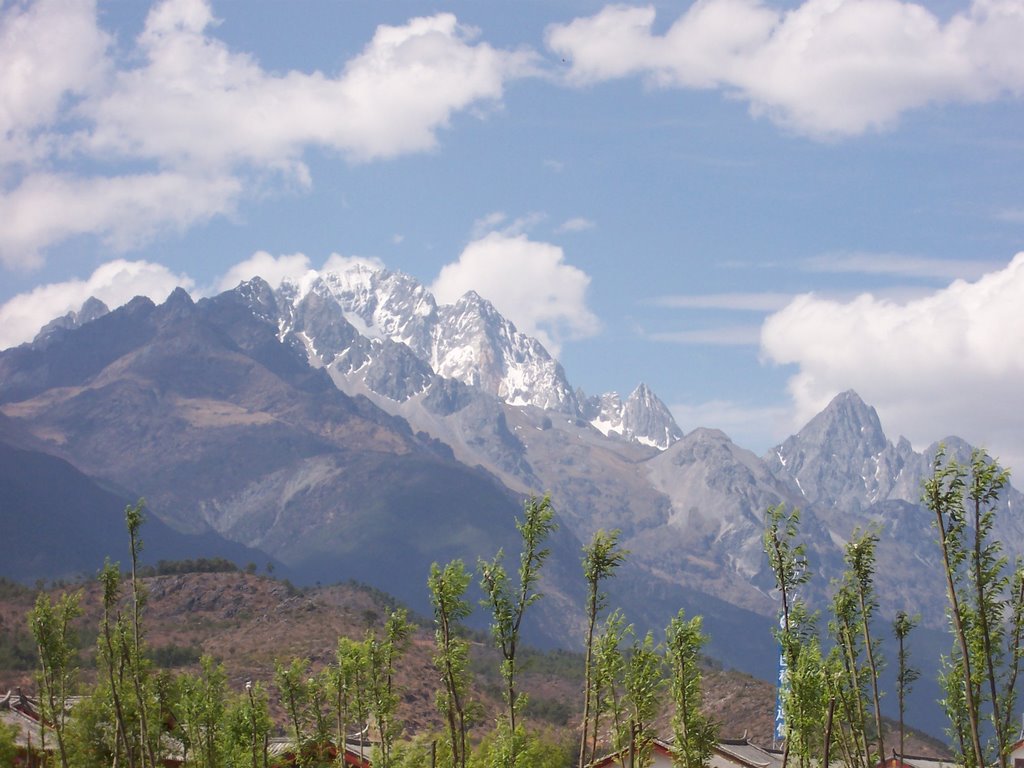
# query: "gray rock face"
{"points": [[647, 419], [91, 310], [842, 458], [475, 344], [468, 341], [643, 417], [252, 438]]}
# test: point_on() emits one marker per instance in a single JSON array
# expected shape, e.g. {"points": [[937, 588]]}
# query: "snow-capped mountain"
{"points": [[226, 414], [643, 417], [386, 330], [469, 341]]}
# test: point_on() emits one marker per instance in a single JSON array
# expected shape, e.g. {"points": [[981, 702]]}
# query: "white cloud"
{"points": [[195, 100], [498, 221], [336, 262], [123, 210], [48, 51], [113, 283], [825, 68], [529, 283], [199, 123], [273, 269], [294, 267], [949, 363], [577, 224]]}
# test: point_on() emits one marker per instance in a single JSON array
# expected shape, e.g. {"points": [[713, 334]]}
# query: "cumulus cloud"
{"points": [[195, 100], [113, 283], [825, 68], [273, 269], [48, 50], [122, 210], [528, 281], [203, 121], [948, 363], [294, 267]]}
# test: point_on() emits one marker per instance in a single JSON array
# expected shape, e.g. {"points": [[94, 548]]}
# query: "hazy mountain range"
{"points": [[349, 426]]}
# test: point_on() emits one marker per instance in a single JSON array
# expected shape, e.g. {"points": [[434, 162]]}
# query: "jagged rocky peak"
{"points": [[648, 420], [842, 458], [642, 417], [91, 309], [469, 341], [259, 297], [477, 345], [318, 322], [384, 304]]}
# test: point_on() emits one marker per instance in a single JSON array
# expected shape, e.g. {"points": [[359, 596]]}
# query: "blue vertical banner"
{"points": [[781, 687]]}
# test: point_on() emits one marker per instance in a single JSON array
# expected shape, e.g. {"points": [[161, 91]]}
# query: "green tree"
{"points": [[860, 559], [292, 687], [695, 735], [536, 750], [853, 607], [846, 677], [806, 702], [804, 678], [609, 671], [247, 727], [8, 748], [600, 558], [906, 675], [112, 659], [203, 705], [508, 604], [642, 684], [137, 665], [447, 595], [349, 684], [51, 626], [319, 698], [382, 655], [986, 599]]}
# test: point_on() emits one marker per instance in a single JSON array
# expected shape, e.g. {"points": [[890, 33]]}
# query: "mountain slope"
{"points": [[204, 411], [58, 523]]}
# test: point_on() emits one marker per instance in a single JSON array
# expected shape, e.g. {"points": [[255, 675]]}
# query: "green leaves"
{"points": [[695, 735], [508, 604], [447, 595], [55, 640], [986, 604]]}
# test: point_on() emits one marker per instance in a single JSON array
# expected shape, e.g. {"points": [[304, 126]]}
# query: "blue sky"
{"points": [[750, 206]]}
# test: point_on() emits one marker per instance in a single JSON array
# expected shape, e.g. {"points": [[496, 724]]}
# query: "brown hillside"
{"points": [[248, 621]]}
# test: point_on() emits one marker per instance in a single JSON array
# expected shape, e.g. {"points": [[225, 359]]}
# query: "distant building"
{"points": [[281, 753], [728, 753], [917, 761], [21, 713]]}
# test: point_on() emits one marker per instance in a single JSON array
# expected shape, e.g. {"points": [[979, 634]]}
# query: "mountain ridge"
{"points": [[309, 427]]}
